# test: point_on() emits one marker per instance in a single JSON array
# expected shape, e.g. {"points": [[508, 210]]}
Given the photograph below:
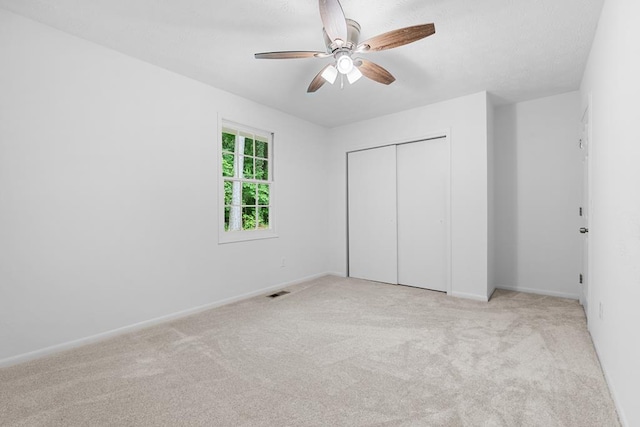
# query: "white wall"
{"points": [[538, 185], [612, 79], [108, 192], [466, 119]]}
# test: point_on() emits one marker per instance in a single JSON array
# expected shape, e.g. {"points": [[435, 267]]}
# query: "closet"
{"points": [[398, 214]]}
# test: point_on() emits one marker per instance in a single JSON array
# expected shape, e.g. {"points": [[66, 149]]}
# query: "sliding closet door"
{"points": [[422, 186], [373, 251]]}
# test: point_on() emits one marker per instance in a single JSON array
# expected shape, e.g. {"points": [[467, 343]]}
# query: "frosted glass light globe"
{"points": [[344, 64], [330, 73]]}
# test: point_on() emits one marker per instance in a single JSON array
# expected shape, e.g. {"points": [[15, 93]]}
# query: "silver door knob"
{"points": [[584, 230]]}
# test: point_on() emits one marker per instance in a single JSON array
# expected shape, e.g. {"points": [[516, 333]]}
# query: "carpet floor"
{"points": [[332, 352]]}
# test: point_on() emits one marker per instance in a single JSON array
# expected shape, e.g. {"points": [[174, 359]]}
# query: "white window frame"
{"points": [[245, 235]]}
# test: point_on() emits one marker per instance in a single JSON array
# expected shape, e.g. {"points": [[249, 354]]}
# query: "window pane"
{"points": [[249, 194], [235, 218], [263, 217], [248, 217], [263, 194], [248, 167], [261, 149], [227, 212], [233, 193], [262, 169], [228, 193], [228, 142], [227, 165], [248, 146]]}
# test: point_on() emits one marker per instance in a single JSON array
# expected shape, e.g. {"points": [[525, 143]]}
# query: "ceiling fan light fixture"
{"points": [[344, 63], [354, 75], [342, 41], [330, 74]]}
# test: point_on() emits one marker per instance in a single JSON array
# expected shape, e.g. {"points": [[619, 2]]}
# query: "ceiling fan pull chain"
{"points": [[341, 81]]}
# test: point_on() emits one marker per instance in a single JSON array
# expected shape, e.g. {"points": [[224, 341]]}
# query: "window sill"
{"points": [[245, 236]]}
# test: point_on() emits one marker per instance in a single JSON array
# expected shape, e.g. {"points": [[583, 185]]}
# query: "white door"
{"points": [[373, 249], [584, 211], [422, 187]]}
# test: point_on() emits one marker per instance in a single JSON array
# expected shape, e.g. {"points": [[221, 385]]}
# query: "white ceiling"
{"points": [[515, 49]]}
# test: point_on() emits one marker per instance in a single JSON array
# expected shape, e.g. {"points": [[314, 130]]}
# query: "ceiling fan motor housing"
{"points": [[353, 34]]}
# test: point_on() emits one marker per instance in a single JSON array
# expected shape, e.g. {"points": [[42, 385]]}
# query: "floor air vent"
{"points": [[278, 294]]}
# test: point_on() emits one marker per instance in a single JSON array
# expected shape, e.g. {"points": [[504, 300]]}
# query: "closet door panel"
{"points": [[372, 221], [422, 186]]}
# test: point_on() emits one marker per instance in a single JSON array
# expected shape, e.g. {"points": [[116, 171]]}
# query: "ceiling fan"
{"points": [[341, 36]]}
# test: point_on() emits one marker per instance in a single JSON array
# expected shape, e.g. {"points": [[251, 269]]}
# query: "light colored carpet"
{"points": [[333, 352]]}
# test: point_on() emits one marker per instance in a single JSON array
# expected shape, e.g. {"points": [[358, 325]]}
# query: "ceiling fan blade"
{"points": [[292, 54], [397, 38], [333, 19], [317, 81], [375, 72]]}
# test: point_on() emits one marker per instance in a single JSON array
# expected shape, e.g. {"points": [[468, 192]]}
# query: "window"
{"points": [[247, 183]]}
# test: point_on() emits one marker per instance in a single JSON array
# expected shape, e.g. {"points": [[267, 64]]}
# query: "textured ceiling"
{"points": [[515, 49]]}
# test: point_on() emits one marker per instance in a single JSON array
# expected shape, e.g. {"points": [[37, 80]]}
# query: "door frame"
{"points": [[585, 294], [443, 134]]}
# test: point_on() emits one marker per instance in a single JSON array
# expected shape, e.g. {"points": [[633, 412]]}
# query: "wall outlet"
{"points": [[283, 263], [600, 311]]}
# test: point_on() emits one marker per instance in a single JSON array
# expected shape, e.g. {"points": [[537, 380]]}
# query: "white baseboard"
{"points": [[474, 297], [539, 292], [614, 396], [37, 354]]}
